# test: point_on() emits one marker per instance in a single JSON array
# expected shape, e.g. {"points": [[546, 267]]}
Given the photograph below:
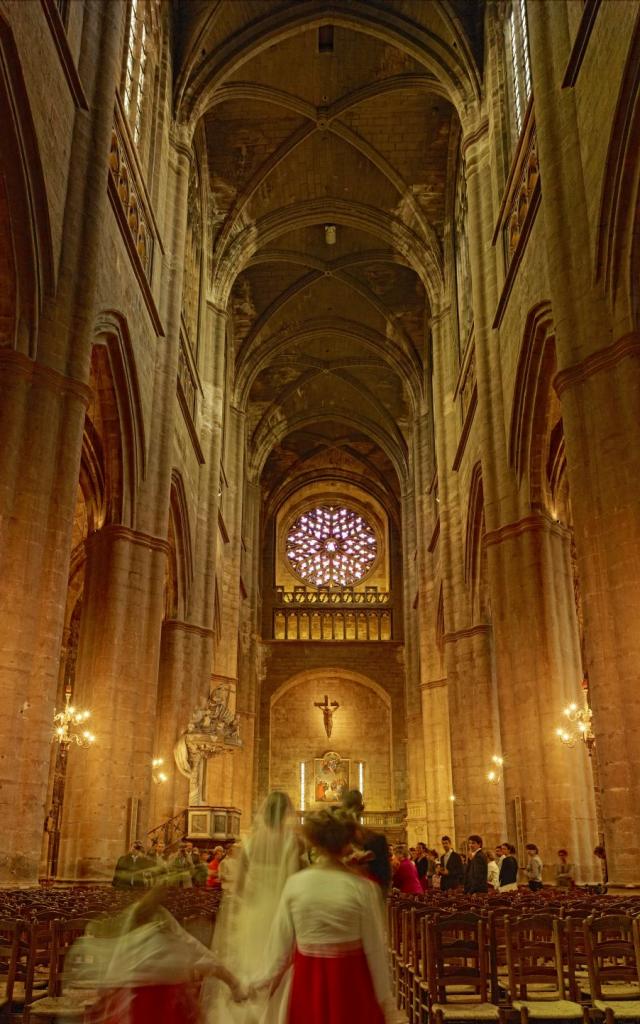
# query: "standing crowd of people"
{"points": [[142, 868], [417, 869]]}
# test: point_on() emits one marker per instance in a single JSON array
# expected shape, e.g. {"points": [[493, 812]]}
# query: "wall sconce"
{"points": [[157, 775], [494, 775], [330, 234]]}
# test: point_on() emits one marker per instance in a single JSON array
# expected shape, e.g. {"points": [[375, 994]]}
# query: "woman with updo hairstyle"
{"points": [[329, 924]]}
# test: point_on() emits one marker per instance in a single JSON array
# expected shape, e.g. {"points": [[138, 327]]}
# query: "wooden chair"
{"points": [[457, 970], [62, 1001], [612, 945], [10, 934], [536, 976]]}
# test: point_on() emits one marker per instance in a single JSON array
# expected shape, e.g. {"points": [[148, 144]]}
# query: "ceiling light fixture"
{"points": [[330, 234]]}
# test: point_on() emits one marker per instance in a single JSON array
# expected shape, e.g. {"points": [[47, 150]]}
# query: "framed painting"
{"points": [[331, 778]]}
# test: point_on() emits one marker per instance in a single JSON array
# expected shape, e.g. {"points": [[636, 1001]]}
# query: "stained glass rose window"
{"points": [[331, 546]]}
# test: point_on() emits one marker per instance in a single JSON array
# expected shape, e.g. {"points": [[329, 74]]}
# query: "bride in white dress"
{"points": [[270, 856]]}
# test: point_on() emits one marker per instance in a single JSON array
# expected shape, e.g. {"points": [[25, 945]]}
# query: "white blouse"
{"points": [[325, 911]]}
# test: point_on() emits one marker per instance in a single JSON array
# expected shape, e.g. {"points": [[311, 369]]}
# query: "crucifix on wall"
{"points": [[327, 712]]}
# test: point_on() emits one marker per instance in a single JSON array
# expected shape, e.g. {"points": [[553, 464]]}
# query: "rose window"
{"points": [[331, 546]]}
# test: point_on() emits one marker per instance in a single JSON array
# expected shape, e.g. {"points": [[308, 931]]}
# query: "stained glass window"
{"points": [[520, 65], [331, 546]]}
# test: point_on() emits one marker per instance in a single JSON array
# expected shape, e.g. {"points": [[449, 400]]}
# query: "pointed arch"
{"points": [[26, 249], [115, 351], [180, 571], [617, 243], [534, 374], [475, 569]]}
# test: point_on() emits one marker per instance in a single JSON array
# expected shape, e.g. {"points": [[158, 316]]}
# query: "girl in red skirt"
{"points": [[329, 924], [154, 970]]}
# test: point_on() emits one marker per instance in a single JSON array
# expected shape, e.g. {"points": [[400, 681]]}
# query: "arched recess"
{"points": [[180, 561], [618, 238], [362, 732], [475, 555], [26, 252], [113, 354], [536, 439]]}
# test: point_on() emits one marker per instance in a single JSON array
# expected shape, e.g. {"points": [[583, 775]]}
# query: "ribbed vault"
{"points": [[329, 130]]}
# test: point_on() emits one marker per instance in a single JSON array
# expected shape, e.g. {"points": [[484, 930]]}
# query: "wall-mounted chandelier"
{"points": [[67, 725], [580, 719]]}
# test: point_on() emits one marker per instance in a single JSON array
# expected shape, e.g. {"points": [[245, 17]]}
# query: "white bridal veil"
{"points": [[271, 854]]}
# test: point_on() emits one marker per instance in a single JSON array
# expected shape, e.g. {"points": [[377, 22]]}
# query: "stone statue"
{"points": [[211, 729]]}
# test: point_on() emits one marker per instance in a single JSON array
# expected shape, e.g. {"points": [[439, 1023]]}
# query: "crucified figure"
{"points": [[327, 712]]}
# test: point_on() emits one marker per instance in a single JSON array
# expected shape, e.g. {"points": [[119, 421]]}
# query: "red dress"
{"points": [[148, 1004], [329, 927], [333, 988]]}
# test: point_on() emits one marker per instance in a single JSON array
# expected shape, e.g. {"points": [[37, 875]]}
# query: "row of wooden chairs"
{"points": [[33, 953], [465, 966]]}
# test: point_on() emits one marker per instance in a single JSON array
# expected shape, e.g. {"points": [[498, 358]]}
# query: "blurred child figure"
{"points": [[154, 969]]}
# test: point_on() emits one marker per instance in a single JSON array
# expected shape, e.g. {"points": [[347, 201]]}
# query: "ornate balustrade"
{"points": [[519, 207], [132, 208], [347, 614]]}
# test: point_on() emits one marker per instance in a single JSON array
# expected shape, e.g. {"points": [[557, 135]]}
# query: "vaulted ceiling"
{"points": [[342, 115]]}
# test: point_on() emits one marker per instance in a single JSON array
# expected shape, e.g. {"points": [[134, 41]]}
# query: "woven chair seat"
{"points": [[467, 1011], [549, 1009], [624, 1009]]}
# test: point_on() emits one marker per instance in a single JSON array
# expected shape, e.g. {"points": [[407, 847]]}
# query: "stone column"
{"points": [[183, 679], [599, 388], [117, 679], [186, 652], [41, 421], [539, 671], [413, 700], [224, 772], [470, 682]]}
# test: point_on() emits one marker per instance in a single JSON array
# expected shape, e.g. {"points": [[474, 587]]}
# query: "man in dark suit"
{"points": [[133, 869], [374, 843], [476, 870], [451, 868]]}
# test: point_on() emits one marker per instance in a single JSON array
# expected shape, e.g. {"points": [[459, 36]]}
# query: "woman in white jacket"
{"points": [[329, 925]]}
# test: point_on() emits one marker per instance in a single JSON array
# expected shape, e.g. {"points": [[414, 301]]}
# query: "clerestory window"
{"points": [[519, 63], [136, 65]]}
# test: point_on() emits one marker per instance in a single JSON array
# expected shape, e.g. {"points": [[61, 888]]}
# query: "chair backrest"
{"points": [[11, 932], [534, 954], [64, 934], [457, 956], [611, 954]]}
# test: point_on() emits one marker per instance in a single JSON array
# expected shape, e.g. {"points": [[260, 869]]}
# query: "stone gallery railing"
{"points": [[302, 614]]}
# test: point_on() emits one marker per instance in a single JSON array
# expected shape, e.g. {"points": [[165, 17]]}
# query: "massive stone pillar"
{"points": [[470, 684], [41, 422], [476, 737], [117, 679], [183, 680], [413, 701], [548, 787], [599, 388], [229, 775]]}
